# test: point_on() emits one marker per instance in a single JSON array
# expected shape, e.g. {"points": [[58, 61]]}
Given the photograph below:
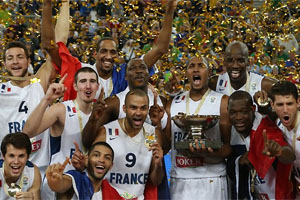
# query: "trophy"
{"points": [[194, 126]]}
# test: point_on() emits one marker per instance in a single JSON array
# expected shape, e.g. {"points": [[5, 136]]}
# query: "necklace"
{"points": [[187, 105], [80, 121]]}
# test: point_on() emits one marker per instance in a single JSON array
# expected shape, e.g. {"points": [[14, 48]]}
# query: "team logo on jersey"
{"points": [[113, 131], [25, 180], [5, 89], [253, 86], [179, 98], [212, 100]]}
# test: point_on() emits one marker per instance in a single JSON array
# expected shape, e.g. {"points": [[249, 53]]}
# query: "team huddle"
{"points": [[108, 138]]}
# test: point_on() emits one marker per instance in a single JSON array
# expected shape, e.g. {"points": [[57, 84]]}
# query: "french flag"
{"points": [[115, 132], [4, 88], [221, 83]]}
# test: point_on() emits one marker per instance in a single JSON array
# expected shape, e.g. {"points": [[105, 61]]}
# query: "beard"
{"points": [[23, 73]]}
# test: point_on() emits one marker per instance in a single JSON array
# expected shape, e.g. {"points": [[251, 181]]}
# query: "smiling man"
{"points": [[285, 102], [67, 119], [85, 185], [237, 76], [259, 166], [16, 171]]}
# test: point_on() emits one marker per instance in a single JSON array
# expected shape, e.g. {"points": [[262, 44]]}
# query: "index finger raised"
{"points": [[62, 80], [101, 96], [265, 136], [76, 146], [65, 163]]}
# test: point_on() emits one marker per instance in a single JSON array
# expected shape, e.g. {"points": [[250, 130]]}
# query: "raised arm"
{"points": [[48, 34], [34, 125], [104, 111], [62, 26], [162, 45]]}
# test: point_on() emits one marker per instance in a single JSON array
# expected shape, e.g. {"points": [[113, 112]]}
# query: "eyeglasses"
{"points": [[240, 60]]}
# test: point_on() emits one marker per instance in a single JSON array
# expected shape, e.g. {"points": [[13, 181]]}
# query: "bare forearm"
{"points": [[60, 186], [157, 174], [63, 24], [48, 35], [89, 133], [32, 123]]}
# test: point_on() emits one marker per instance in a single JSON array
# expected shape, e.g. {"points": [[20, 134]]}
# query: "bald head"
{"points": [[237, 45], [240, 95]]}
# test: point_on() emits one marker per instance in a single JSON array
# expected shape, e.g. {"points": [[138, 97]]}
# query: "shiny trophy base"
{"points": [[194, 125]]}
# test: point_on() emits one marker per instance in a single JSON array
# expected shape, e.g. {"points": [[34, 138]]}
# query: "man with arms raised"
{"points": [[285, 102], [259, 166], [19, 178], [199, 173], [87, 185], [67, 119], [111, 76]]}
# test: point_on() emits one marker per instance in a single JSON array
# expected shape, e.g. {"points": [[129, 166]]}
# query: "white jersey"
{"points": [[25, 181], [107, 84], [16, 105], [263, 187], [71, 133], [185, 167], [132, 160], [252, 85], [289, 136], [122, 114]]}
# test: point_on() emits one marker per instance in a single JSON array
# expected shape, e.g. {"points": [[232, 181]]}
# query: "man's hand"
{"points": [[157, 154], [78, 159], [98, 107], [56, 90], [244, 160], [24, 195], [261, 98], [202, 149], [272, 148], [156, 112], [173, 85], [55, 172]]}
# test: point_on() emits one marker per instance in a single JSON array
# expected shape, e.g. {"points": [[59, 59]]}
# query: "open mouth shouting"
{"points": [[235, 74], [16, 169], [137, 121], [100, 169]]}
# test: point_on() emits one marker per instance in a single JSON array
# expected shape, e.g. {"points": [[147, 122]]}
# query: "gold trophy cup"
{"points": [[194, 126]]}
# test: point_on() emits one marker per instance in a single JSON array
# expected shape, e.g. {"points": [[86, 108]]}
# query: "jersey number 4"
{"points": [[22, 107]]}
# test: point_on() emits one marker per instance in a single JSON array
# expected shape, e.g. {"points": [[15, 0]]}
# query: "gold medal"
{"points": [[13, 189], [263, 104], [149, 139]]}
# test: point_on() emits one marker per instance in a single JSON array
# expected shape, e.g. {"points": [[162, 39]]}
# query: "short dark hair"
{"points": [[15, 44], [102, 39], [103, 144], [85, 69], [19, 140], [245, 51], [239, 95], [284, 88], [137, 92]]}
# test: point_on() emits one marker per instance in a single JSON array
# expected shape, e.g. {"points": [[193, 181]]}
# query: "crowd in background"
{"points": [[270, 30]]}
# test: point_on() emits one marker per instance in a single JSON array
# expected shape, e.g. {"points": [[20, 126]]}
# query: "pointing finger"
{"points": [[101, 96], [76, 146], [65, 164], [265, 137], [62, 80]]}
